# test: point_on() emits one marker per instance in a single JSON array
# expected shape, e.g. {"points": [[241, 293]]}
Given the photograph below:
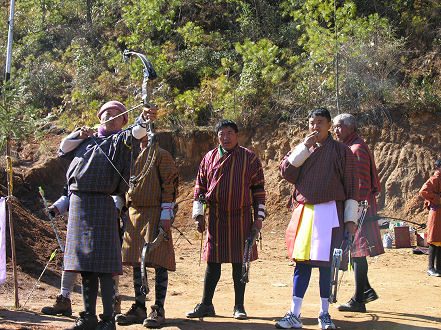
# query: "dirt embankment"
{"points": [[405, 149]]}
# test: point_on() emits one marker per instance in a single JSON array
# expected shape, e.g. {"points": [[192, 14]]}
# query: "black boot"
{"points": [[85, 322], [438, 259], [352, 306], [106, 323]]}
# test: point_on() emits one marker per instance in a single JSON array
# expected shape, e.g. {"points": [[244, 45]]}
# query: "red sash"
{"points": [[293, 226]]}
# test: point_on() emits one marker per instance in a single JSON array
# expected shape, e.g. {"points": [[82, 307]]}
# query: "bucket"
{"points": [[387, 241]]}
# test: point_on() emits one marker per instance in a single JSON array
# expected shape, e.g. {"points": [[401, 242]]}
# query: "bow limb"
{"points": [[149, 73], [149, 247]]}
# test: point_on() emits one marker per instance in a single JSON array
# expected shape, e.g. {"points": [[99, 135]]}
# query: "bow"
{"points": [[249, 243], [378, 217], [147, 248], [149, 74], [337, 254]]}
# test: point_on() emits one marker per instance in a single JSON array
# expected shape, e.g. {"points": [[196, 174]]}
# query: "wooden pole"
{"points": [[11, 222]]}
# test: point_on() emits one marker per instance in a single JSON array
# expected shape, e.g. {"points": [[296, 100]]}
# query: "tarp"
{"points": [[2, 240]]}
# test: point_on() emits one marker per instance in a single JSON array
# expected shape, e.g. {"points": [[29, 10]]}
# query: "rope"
{"points": [[151, 158], [9, 170]]}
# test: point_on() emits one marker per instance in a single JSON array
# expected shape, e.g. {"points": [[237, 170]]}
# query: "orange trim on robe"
{"points": [[293, 228]]}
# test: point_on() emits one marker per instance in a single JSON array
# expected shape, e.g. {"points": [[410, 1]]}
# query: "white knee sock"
{"points": [[324, 305], [296, 305], [68, 280]]}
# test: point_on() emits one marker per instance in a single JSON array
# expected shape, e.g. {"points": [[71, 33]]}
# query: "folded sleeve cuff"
{"points": [[198, 209], [62, 204], [119, 201], [167, 211], [139, 131], [261, 211], [351, 210], [70, 142], [298, 156]]}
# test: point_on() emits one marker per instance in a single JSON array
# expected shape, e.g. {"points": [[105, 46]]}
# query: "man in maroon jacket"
{"points": [[367, 240], [325, 197]]}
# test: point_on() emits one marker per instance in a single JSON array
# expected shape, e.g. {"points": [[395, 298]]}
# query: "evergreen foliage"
{"points": [[247, 60]]}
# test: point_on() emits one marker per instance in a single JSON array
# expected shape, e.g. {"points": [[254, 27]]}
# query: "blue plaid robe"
{"points": [[92, 242]]}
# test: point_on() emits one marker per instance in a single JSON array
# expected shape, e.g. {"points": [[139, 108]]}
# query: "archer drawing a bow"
{"points": [[152, 147]]}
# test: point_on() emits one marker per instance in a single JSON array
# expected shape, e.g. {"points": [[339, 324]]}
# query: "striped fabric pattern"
{"points": [[232, 184], [368, 242], [143, 227], [226, 235], [328, 174], [159, 186]]}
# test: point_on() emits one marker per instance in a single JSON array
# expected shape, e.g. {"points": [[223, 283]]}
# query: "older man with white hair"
{"points": [[367, 240]]}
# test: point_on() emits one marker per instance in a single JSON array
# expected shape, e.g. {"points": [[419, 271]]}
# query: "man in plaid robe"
{"points": [[231, 180], [151, 203], [99, 168], [326, 192], [367, 241], [63, 303]]}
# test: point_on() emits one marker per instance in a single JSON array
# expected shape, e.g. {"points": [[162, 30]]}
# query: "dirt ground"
{"points": [[409, 299]]}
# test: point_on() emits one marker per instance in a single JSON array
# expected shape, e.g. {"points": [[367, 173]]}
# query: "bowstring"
{"points": [[181, 234], [111, 163]]}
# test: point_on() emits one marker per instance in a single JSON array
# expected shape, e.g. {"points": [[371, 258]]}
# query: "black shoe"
{"points": [[85, 322], [106, 323], [352, 306], [370, 295], [433, 272], [239, 313], [201, 310]]}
